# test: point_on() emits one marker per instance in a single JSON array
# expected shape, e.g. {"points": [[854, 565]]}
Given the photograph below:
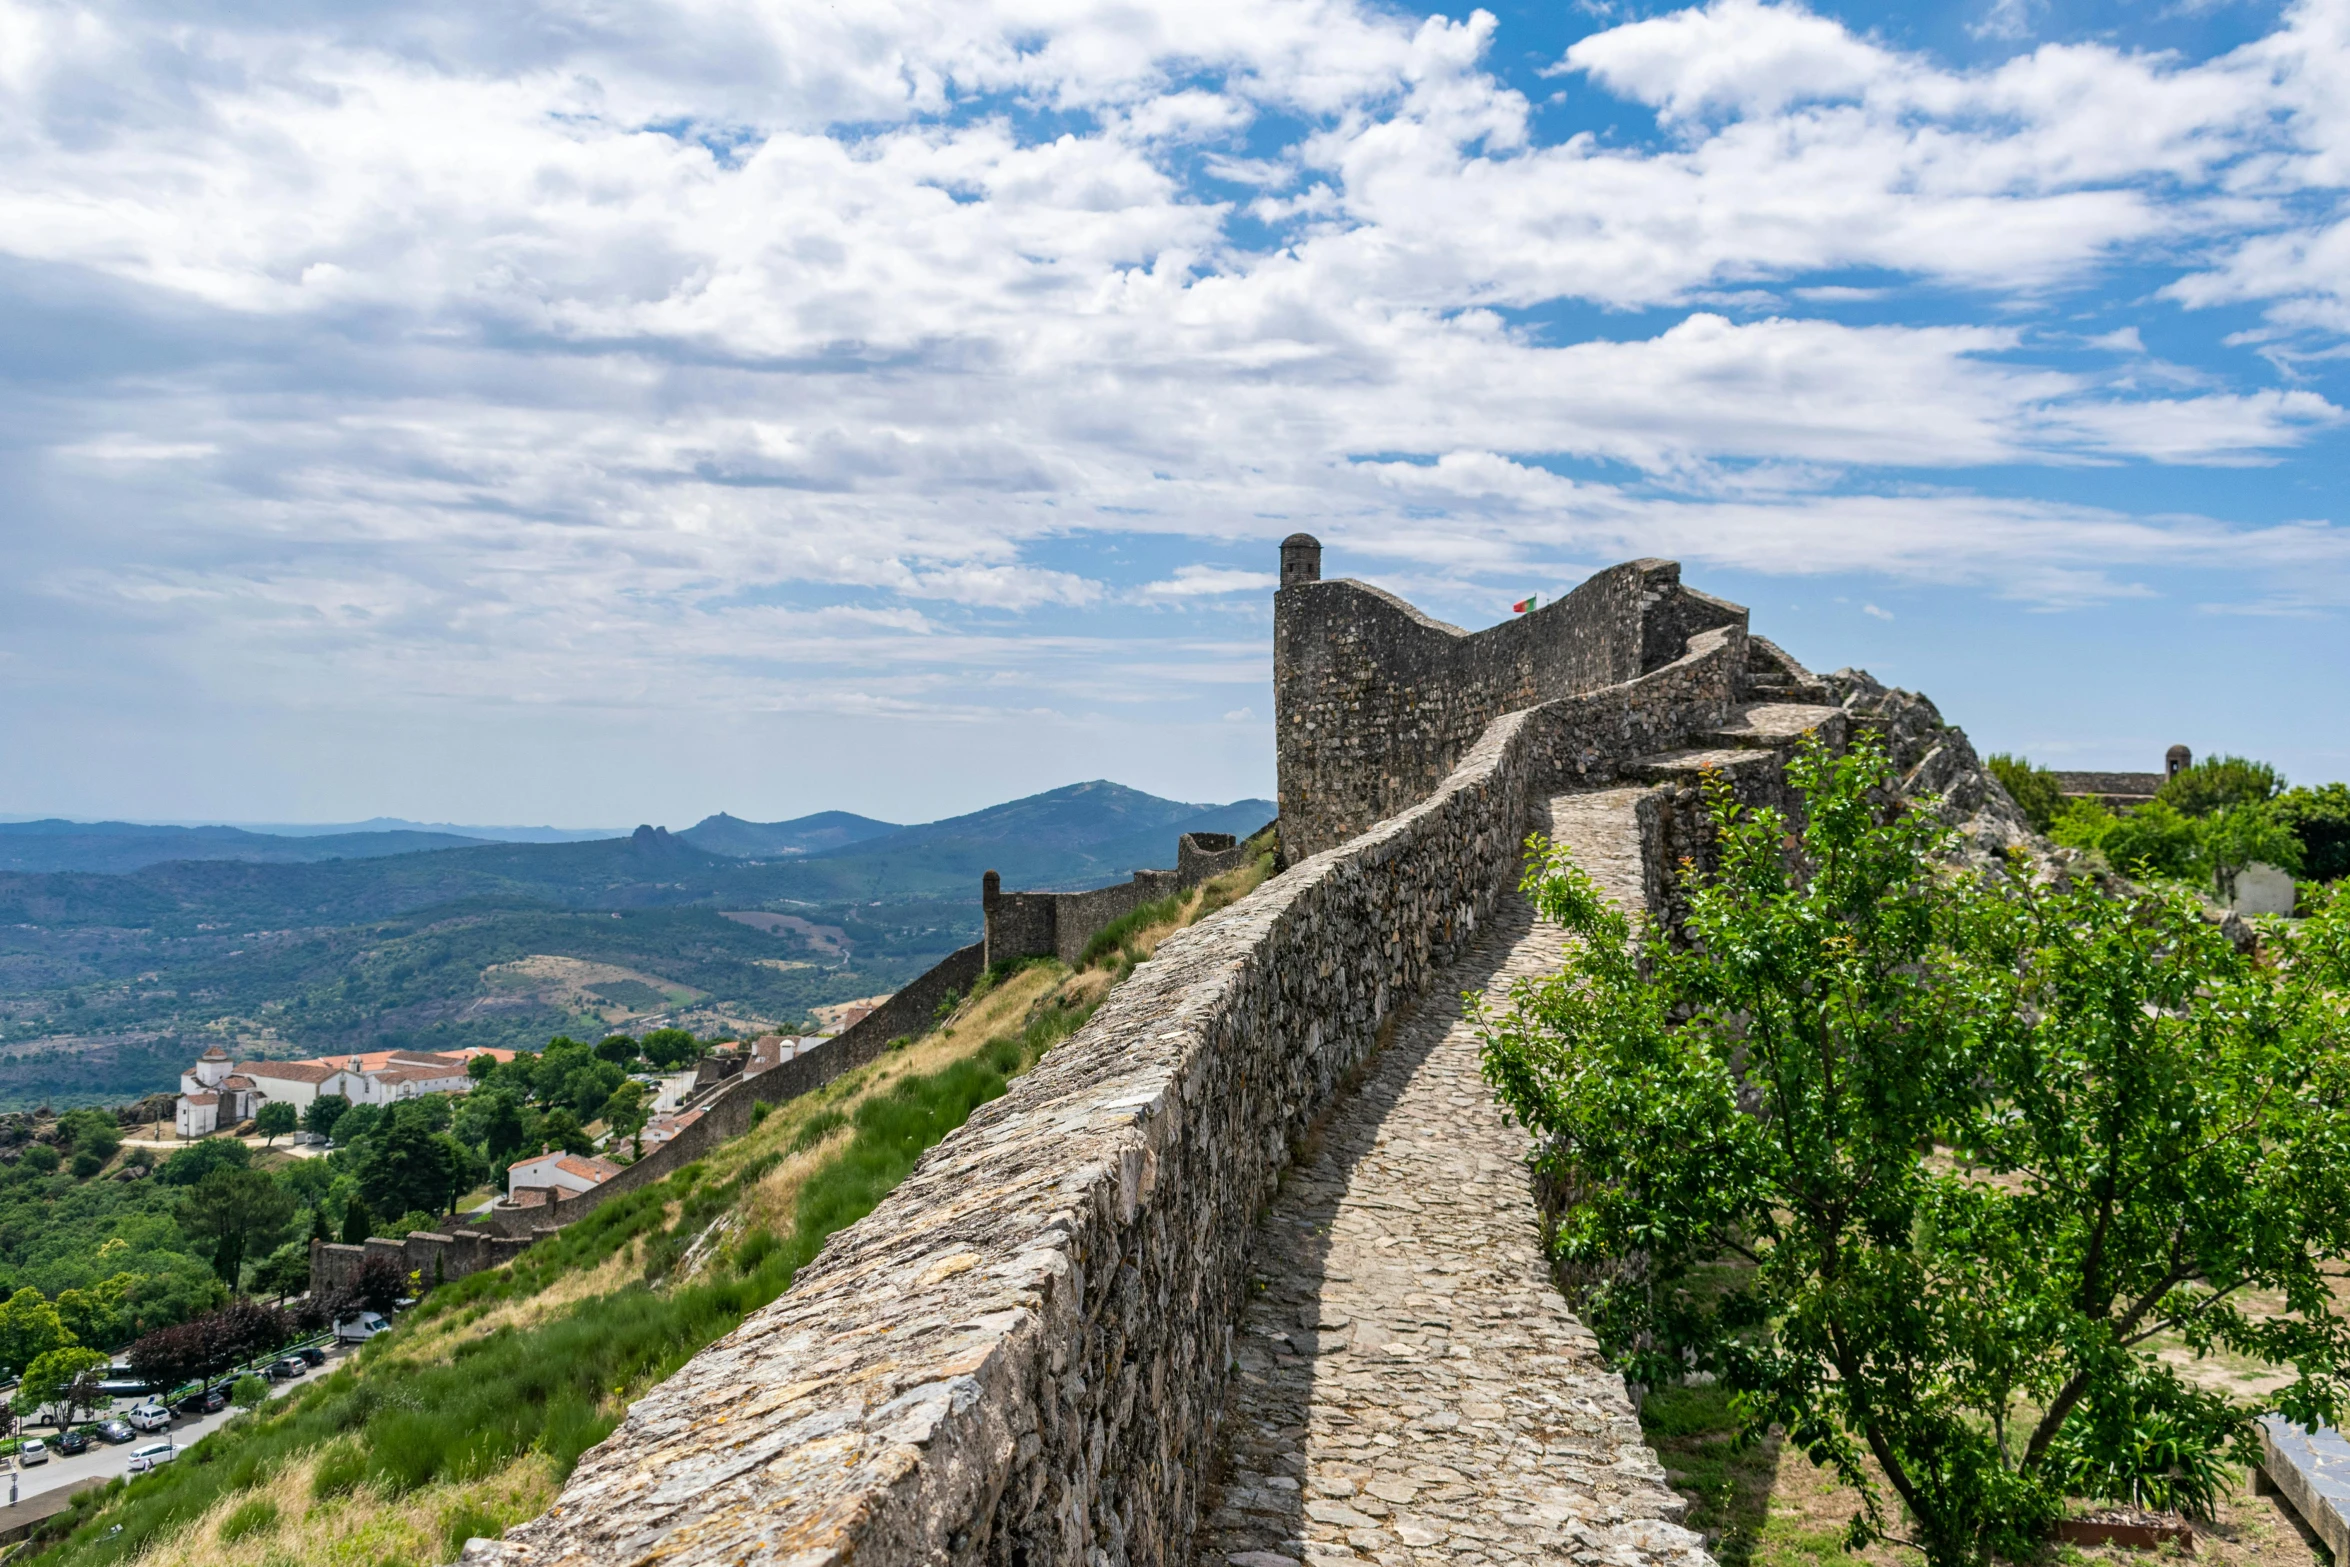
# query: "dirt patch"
{"points": [[828, 939]]}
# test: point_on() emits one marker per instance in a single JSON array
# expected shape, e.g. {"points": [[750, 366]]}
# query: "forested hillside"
{"points": [[110, 984]]}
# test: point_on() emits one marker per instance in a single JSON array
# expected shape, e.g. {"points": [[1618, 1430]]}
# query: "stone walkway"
{"points": [[1411, 1389]]}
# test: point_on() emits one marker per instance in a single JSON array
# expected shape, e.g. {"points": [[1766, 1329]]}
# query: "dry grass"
{"points": [[363, 1529]]}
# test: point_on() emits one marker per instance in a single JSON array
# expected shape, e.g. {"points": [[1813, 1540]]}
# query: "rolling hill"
{"points": [[108, 980], [116, 847]]}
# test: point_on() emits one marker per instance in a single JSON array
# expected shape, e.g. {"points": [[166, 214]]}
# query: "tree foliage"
{"points": [[2220, 781], [236, 1213], [64, 1379], [323, 1113], [274, 1120], [2034, 789], [30, 1327], [1920, 1163], [2320, 819]]}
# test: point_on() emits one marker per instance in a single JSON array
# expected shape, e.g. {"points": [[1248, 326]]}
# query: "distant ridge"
{"points": [[116, 848], [731, 835]]}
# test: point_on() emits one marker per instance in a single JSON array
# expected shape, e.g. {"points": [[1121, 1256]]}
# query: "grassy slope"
{"points": [[467, 1419]]}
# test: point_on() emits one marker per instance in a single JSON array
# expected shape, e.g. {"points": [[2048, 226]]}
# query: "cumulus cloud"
{"points": [[798, 354]]}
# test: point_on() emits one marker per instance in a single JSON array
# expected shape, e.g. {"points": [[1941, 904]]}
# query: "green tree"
{"points": [[1921, 1164], [358, 1124], [2235, 836], [2220, 781], [40, 1158], [2320, 818], [669, 1048], [482, 1068], [323, 1113], [285, 1271], [234, 1214], [98, 1315], [358, 1221], [561, 1129], [90, 1131], [627, 1111], [65, 1380], [251, 1392], [191, 1164], [2034, 789], [30, 1327], [502, 1128], [619, 1049], [274, 1120], [407, 1167]]}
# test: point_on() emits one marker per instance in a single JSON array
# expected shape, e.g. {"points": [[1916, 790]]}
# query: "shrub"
{"points": [[251, 1392], [1919, 1164], [2033, 789]]}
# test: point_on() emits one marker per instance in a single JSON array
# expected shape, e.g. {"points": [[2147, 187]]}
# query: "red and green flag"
{"points": [[1523, 605]]}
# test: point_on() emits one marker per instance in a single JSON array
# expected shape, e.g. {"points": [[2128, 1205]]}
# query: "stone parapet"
{"points": [[1021, 1354], [1375, 703]]}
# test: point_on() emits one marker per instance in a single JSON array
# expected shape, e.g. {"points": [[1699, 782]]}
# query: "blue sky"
{"points": [[537, 413]]}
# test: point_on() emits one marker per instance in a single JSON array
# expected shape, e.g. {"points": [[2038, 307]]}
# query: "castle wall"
{"points": [[1020, 1356], [1374, 702], [1063, 924]]}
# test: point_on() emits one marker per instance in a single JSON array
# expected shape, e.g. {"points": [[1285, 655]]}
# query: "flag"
{"points": [[1523, 605]]}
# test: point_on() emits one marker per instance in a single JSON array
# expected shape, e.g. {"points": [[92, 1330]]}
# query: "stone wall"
{"points": [[455, 1254], [1063, 924], [1374, 702], [727, 1114], [1020, 1355]]}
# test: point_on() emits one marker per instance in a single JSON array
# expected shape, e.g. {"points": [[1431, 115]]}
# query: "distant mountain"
{"points": [[1081, 835], [112, 848], [402, 824], [826, 830]]}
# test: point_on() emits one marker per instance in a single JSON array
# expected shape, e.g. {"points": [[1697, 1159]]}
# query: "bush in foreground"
{"points": [[1921, 1164]]}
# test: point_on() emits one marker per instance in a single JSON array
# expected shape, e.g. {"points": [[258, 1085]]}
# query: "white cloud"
{"points": [[771, 352]]}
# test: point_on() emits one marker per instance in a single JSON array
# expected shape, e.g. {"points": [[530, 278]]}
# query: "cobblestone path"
{"points": [[1411, 1389]]}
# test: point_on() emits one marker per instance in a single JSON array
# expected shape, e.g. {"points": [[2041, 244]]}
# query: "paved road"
{"points": [[105, 1460]]}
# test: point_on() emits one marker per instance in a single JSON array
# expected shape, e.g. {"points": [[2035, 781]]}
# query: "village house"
{"points": [[551, 1177], [217, 1092]]}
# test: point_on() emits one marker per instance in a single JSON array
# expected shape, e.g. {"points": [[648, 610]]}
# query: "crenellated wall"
{"points": [[1020, 1355], [1374, 703], [1062, 924]]}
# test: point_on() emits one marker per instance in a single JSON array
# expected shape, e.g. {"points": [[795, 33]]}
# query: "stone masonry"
{"points": [[1410, 1387]]}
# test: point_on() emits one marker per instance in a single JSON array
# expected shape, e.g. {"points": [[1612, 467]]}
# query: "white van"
{"points": [[150, 1416], [153, 1456], [359, 1329]]}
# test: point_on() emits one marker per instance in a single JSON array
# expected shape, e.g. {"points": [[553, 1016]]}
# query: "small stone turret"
{"points": [[2176, 760], [1301, 559]]}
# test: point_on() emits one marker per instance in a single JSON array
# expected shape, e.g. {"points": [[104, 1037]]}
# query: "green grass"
{"points": [[1115, 936], [1695, 1435], [553, 1388]]}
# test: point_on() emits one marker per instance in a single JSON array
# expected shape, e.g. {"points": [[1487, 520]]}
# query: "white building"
{"points": [[217, 1092], [568, 1171]]}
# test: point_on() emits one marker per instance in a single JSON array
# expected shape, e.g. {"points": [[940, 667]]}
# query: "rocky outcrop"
{"points": [[1936, 758]]}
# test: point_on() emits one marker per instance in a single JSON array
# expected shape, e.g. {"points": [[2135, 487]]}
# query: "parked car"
{"points": [[73, 1443], [153, 1456], [150, 1416], [314, 1354], [204, 1401], [32, 1450], [119, 1431], [287, 1369], [359, 1329]]}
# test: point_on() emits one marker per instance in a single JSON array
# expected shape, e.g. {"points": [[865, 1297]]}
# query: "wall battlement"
{"points": [[1374, 703], [1061, 924]]}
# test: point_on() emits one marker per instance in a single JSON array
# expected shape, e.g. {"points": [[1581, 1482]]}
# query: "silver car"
{"points": [[153, 1456], [32, 1450]]}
